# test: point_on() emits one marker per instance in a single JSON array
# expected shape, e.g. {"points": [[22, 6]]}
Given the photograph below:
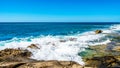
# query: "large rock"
{"points": [[98, 31]]}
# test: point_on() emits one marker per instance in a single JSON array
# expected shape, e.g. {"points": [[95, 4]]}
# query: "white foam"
{"points": [[51, 47], [115, 27]]}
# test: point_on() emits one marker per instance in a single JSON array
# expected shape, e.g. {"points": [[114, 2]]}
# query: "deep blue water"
{"points": [[21, 30]]}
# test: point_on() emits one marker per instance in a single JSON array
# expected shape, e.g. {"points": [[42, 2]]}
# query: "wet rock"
{"points": [[33, 46], [98, 31]]}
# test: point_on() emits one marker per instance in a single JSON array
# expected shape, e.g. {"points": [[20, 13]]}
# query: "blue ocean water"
{"points": [[21, 30], [57, 41]]}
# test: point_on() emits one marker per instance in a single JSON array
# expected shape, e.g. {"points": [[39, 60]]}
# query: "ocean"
{"points": [[57, 41]]}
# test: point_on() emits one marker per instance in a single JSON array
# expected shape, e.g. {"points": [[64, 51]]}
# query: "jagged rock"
{"points": [[98, 31], [33, 46]]}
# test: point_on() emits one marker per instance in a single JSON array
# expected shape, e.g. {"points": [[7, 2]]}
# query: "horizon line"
{"points": [[59, 22]]}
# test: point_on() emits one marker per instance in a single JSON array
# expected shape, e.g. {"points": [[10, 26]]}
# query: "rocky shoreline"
{"points": [[98, 56], [17, 58]]}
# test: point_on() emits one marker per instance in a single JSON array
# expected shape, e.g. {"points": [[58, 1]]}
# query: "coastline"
{"points": [[98, 56]]}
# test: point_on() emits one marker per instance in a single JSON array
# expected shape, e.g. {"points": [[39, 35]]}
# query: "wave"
{"points": [[60, 47]]}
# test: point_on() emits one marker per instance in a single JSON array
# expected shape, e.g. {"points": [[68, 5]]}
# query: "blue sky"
{"points": [[59, 10]]}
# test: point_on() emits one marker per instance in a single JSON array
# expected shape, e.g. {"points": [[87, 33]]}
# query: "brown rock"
{"points": [[103, 62], [98, 31], [14, 54], [33, 46], [43, 64]]}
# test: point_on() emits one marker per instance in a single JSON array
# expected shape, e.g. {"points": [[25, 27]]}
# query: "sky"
{"points": [[59, 10]]}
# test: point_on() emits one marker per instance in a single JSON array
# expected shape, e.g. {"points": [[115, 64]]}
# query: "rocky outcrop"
{"points": [[98, 31], [14, 55]]}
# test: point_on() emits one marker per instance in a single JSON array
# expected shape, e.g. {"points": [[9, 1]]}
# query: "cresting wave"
{"points": [[60, 47]]}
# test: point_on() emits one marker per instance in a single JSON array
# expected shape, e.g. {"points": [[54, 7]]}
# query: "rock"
{"points": [[43, 64], [33, 46], [14, 55], [17, 58], [98, 31], [102, 56], [103, 62]]}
